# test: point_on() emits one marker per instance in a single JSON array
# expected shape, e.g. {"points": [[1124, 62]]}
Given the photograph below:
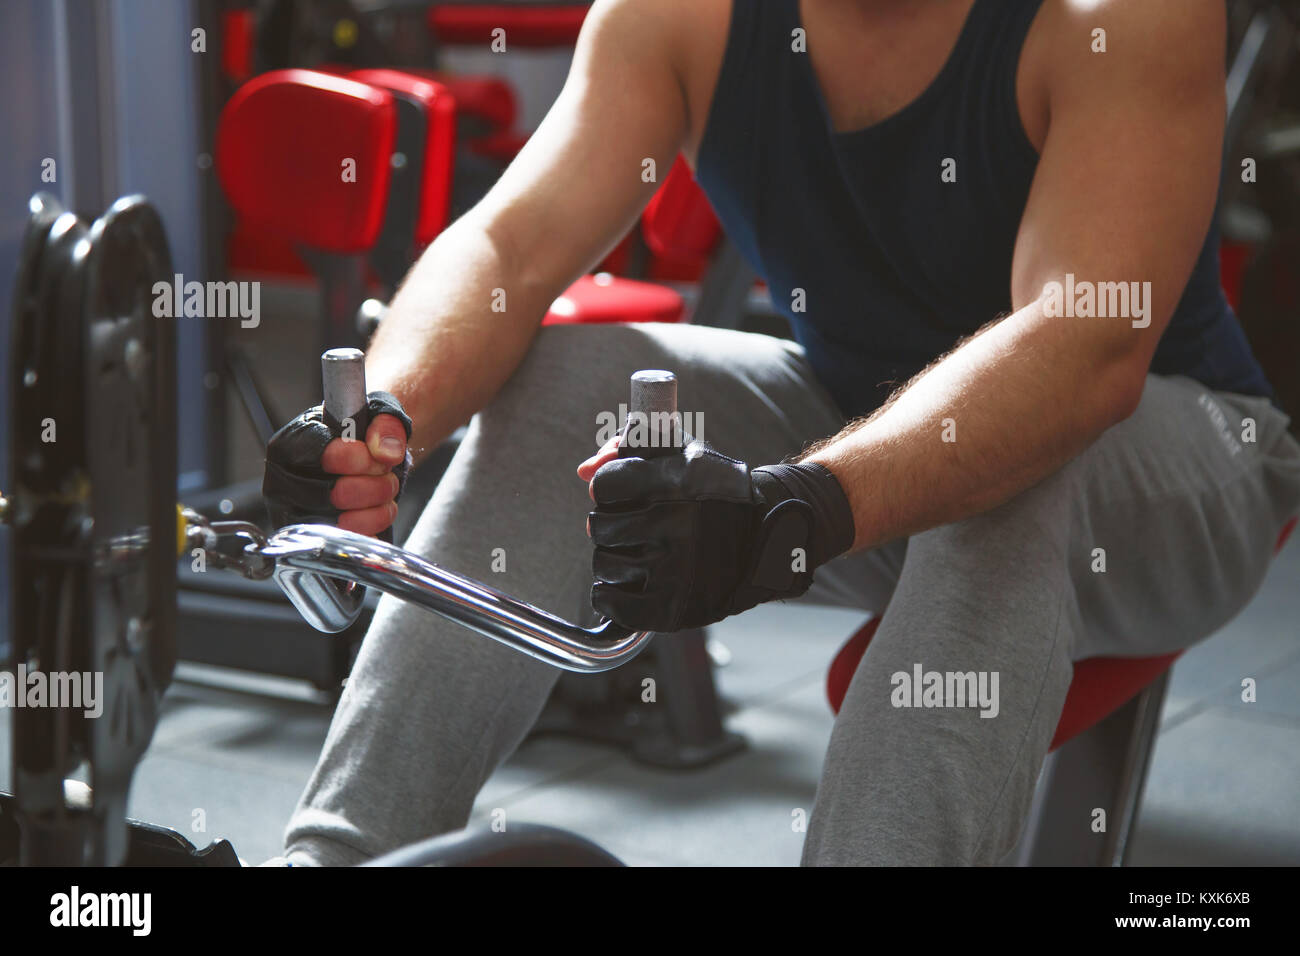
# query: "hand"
{"points": [[684, 540], [312, 475]]}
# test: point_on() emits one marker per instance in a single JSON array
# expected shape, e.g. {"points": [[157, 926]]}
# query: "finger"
{"points": [[608, 452], [352, 492], [625, 481], [294, 493], [634, 529], [369, 520], [638, 611], [627, 572], [351, 458], [386, 439]]}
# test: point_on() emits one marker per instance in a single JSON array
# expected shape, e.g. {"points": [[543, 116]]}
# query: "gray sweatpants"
{"points": [[1179, 504]]}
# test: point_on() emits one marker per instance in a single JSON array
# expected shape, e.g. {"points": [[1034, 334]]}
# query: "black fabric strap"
{"points": [[832, 531]]}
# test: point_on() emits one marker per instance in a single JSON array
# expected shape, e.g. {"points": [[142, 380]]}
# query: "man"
{"points": [[1003, 206]]}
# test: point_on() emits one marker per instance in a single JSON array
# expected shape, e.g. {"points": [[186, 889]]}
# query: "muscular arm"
{"points": [[1124, 191], [572, 192]]}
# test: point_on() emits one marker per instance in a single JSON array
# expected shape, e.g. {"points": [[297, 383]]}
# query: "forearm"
{"points": [[994, 417], [443, 349]]}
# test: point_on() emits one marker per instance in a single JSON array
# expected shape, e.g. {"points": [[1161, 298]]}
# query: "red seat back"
{"points": [[439, 144], [489, 101], [534, 25], [487, 98], [281, 145], [678, 222]]}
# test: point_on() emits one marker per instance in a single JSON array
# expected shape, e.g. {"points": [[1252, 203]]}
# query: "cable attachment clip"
{"points": [[229, 545]]}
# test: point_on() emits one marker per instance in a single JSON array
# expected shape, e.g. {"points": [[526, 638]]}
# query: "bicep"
{"points": [[596, 159], [1127, 180]]}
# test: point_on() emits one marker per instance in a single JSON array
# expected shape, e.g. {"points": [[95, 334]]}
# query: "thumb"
{"points": [[608, 452], [386, 440]]}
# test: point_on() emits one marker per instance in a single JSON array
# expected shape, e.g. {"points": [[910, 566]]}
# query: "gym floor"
{"points": [[233, 752]]}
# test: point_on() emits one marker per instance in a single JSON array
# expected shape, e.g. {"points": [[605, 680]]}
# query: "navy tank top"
{"points": [[878, 264]]}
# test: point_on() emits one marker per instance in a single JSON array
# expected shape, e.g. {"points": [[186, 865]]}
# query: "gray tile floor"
{"points": [[1224, 787]]}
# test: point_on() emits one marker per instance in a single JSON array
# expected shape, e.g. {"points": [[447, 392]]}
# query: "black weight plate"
{"points": [[51, 235], [47, 483], [43, 209], [93, 511], [130, 414]]}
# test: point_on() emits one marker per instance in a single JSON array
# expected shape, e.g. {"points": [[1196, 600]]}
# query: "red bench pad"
{"points": [[281, 143], [678, 222], [439, 144], [1101, 685], [605, 298]]}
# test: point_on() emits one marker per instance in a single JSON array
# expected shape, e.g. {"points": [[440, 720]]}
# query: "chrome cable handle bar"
{"points": [[312, 561]]}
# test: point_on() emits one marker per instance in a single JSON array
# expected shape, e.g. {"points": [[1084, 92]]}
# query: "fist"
{"points": [[367, 484], [314, 475]]}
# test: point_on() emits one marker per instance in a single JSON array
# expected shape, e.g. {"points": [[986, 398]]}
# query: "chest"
{"points": [[865, 217], [872, 60]]}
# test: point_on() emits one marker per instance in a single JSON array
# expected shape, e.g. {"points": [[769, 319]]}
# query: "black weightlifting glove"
{"points": [[294, 485], [684, 540]]}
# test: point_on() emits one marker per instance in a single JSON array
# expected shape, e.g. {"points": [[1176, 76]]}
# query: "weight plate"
{"points": [[93, 511], [131, 439], [44, 490]]}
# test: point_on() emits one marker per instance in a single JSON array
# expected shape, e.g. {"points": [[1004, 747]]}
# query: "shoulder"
{"points": [[665, 26], [688, 36], [1094, 48]]}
